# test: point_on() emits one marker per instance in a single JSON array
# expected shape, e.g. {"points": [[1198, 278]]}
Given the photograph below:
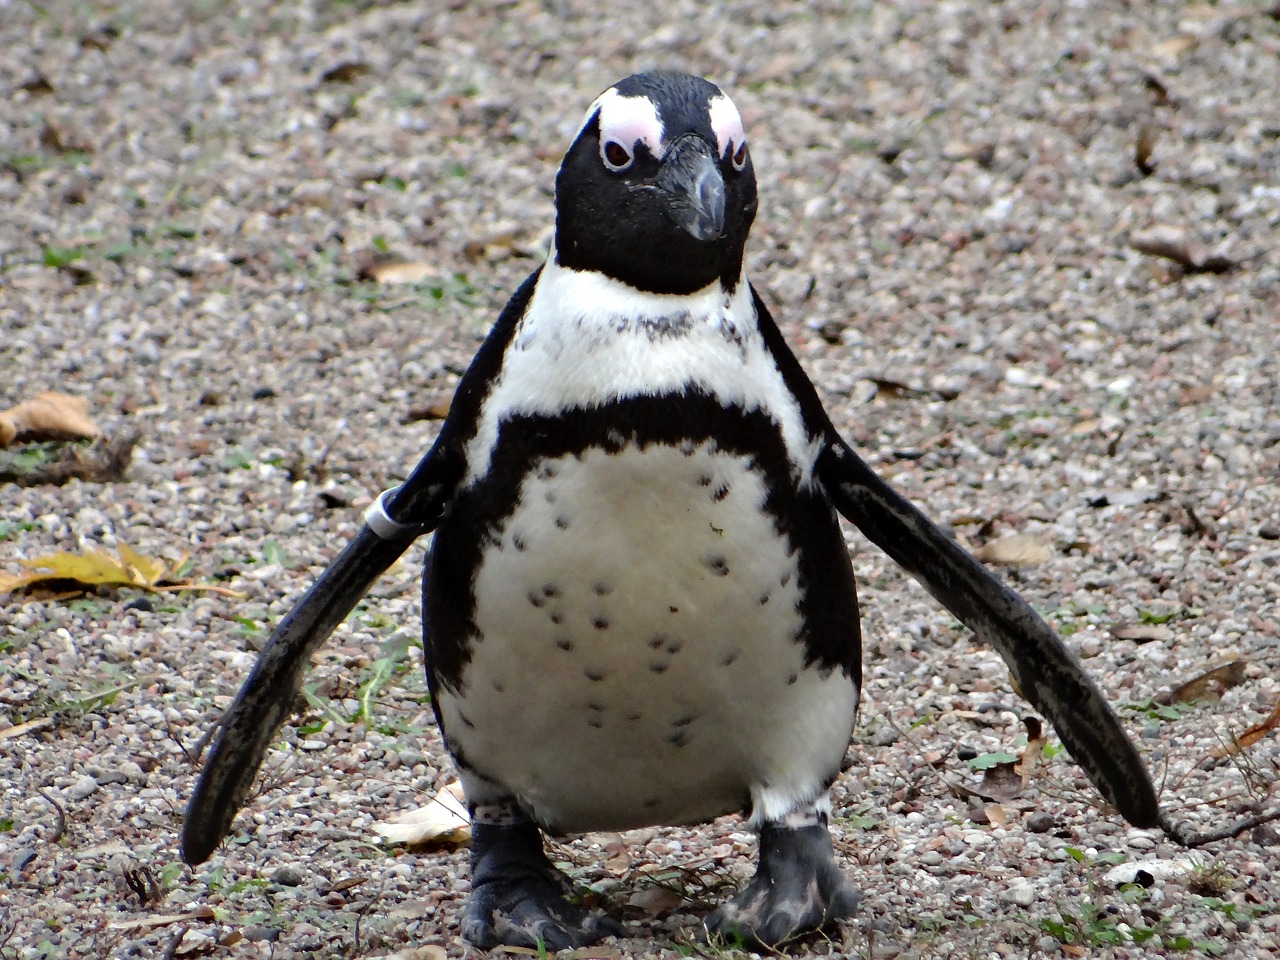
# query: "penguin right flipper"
{"points": [[1046, 673], [267, 697]]}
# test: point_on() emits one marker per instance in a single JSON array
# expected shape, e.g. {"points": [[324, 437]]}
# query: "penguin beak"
{"points": [[691, 184]]}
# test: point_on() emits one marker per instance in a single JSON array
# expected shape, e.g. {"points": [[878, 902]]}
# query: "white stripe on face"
{"points": [[726, 123], [627, 120]]}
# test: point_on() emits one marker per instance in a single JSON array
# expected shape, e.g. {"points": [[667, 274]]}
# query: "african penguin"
{"points": [[638, 606]]}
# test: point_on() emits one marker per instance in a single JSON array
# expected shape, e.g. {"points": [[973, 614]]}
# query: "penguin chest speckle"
{"points": [[635, 654]]}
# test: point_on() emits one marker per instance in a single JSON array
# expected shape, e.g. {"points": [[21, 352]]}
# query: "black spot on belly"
{"points": [[564, 643], [705, 480], [535, 600], [595, 722], [557, 618], [792, 679], [600, 623], [764, 598], [659, 666], [651, 803], [562, 523], [718, 565], [547, 471], [678, 739], [601, 589], [519, 543], [675, 646], [720, 492], [595, 707], [674, 609], [656, 642], [730, 657], [786, 579], [498, 686], [593, 674], [683, 721], [550, 591], [634, 716]]}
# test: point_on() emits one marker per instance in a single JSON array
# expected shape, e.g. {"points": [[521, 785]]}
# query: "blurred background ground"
{"points": [[1027, 250]]}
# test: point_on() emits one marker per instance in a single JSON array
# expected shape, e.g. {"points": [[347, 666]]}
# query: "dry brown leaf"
{"points": [[1252, 735], [436, 408], [1173, 244], [1144, 146], [163, 920], [1144, 633], [444, 821], [398, 272], [104, 461], [1016, 550], [1174, 47], [48, 416], [1208, 686], [96, 568], [31, 726], [996, 814], [655, 901]]}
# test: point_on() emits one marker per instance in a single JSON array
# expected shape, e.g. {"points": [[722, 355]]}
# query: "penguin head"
{"points": [[657, 190]]}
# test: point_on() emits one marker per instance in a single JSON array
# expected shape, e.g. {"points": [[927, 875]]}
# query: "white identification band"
{"points": [[381, 523]]}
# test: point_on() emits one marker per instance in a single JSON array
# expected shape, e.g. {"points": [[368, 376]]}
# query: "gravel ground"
{"points": [[193, 195]]}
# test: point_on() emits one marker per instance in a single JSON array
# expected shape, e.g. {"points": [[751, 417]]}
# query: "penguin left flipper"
{"points": [[267, 697], [797, 889], [1046, 673]]}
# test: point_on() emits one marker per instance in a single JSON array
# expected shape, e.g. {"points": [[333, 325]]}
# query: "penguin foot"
{"points": [[518, 899], [797, 889]]}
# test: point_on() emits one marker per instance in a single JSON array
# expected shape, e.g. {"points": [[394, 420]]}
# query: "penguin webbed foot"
{"points": [[797, 889], [518, 899]]}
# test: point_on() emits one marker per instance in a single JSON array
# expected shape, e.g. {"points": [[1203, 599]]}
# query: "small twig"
{"points": [[175, 941], [1184, 836], [61, 828]]}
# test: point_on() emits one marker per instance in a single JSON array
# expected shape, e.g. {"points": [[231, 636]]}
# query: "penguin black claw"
{"points": [[519, 899], [798, 889]]}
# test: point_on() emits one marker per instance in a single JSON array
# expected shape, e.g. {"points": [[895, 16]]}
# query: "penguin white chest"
{"points": [[637, 658]]}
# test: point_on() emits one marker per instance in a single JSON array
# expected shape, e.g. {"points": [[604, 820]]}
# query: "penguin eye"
{"points": [[616, 157], [739, 158]]}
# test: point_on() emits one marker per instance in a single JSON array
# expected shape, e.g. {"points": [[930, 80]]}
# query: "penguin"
{"points": [[638, 606]]}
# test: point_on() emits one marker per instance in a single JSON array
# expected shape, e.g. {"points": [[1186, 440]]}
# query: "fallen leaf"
{"points": [[1173, 244], [498, 243], [437, 408], [31, 726], [1144, 146], [48, 416], [104, 461], [163, 920], [96, 568], [1016, 550], [444, 821], [1208, 686], [1246, 739], [344, 72], [1144, 633], [397, 271], [1174, 47], [655, 901], [996, 815]]}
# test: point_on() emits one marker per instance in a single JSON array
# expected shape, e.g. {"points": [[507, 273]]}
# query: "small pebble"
{"points": [[288, 876], [1039, 822], [82, 788]]}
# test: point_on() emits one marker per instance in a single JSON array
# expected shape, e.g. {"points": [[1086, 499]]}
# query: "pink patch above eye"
{"points": [[628, 121], [726, 124]]}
